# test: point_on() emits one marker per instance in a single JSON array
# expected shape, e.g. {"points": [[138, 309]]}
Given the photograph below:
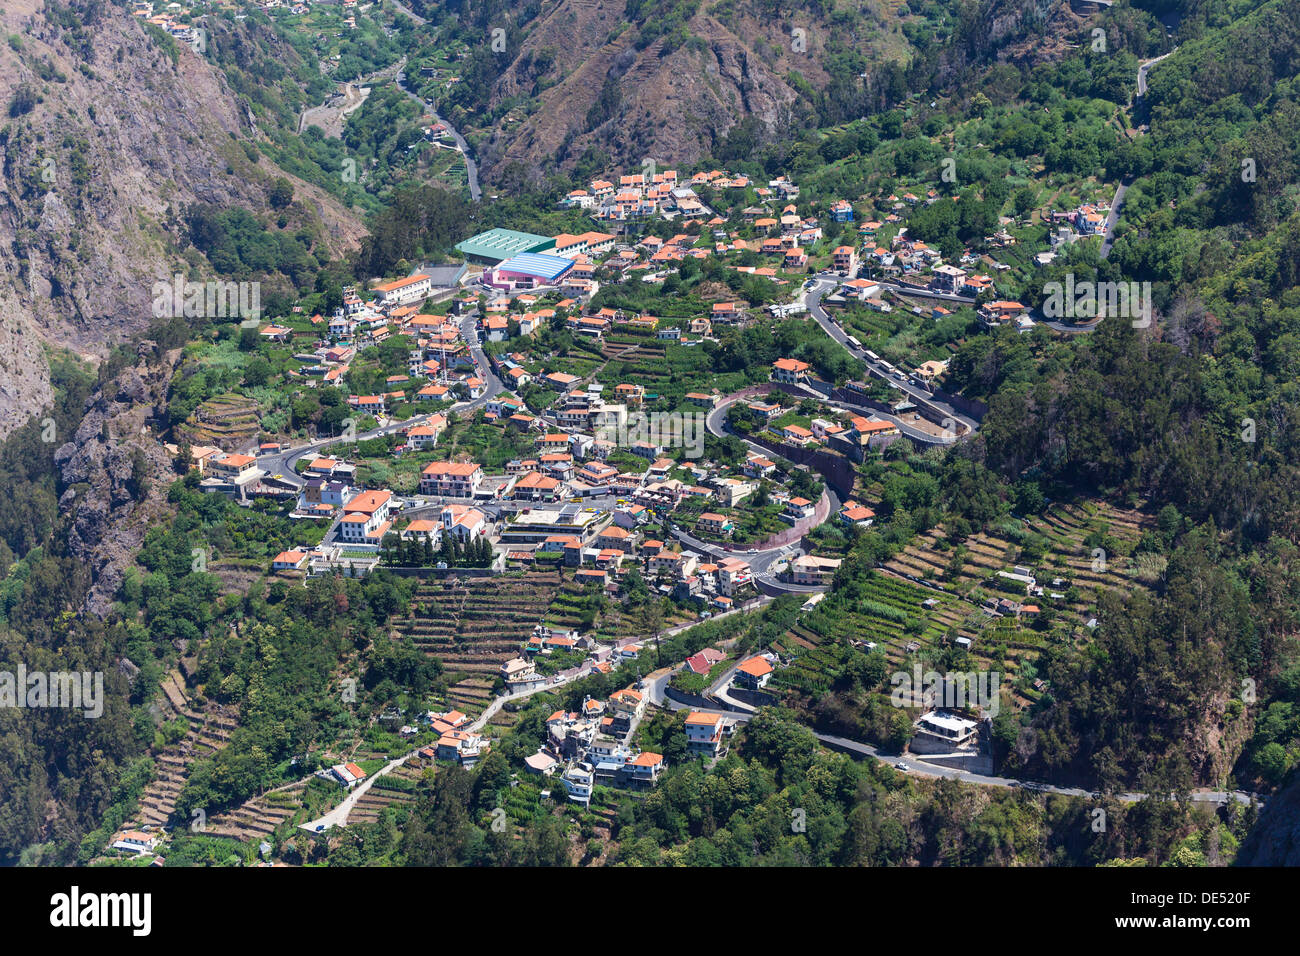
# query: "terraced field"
{"points": [[890, 612], [641, 360], [577, 362], [910, 621], [208, 732], [260, 817], [474, 625], [387, 792], [471, 695], [1066, 556], [614, 622], [226, 421]]}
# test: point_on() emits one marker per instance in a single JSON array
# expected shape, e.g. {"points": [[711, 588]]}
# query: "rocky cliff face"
{"points": [[1275, 839], [674, 99], [104, 141], [115, 472]]}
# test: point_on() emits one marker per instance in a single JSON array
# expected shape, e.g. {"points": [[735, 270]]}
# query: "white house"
{"points": [[410, 289]]}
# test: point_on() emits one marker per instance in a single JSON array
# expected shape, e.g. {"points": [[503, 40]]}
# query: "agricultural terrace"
{"points": [[911, 622]]}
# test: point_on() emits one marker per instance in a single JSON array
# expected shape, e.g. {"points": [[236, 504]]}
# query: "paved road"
{"points": [[338, 817], [401, 8], [919, 766], [494, 387], [282, 462], [1112, 218], [471, 168], [1145, 68], [813, 297]]}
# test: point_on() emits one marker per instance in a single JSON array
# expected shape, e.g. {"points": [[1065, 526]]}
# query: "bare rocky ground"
{"points": [[106, 141]]}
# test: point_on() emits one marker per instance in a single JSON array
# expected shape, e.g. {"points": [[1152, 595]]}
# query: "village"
{"points": [[572, 482], [468, 434]]}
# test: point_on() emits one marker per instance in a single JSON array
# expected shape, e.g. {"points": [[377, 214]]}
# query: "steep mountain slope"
{"points": [[670, 82], [106, 139], [611, 74]]}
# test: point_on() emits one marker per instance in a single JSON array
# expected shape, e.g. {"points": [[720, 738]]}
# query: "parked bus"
{"points": [[854, 342], [873, 356]]}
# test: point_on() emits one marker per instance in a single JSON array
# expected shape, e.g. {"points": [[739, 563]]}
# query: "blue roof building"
{"points": [[530, 269]]}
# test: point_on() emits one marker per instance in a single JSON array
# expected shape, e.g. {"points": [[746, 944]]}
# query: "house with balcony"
{"points": [[289, 560], [642, 771], [714, 524], [579, 780], [753, 674], [423, 437], [455, 479], [790, 371], [1001, 312], [796, 435], [365, 517], [234, 469], [845, 259], [855, 515], [797, 509], [948, 279], [536, 486], [811, 570], [732, 575], [518, 670], [463, 747], [626, 708], [706, 733]]}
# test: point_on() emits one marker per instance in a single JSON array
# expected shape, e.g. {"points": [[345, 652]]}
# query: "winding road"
{"points": [[812, 298], [760, 560], [471, 168], [919, 766], [1112, 218]]}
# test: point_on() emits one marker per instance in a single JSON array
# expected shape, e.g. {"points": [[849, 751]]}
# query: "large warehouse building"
{"points": [[497, 245], [527, 271]]}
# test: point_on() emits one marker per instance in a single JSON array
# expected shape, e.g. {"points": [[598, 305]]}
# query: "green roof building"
{"points": [[497, 245]]}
